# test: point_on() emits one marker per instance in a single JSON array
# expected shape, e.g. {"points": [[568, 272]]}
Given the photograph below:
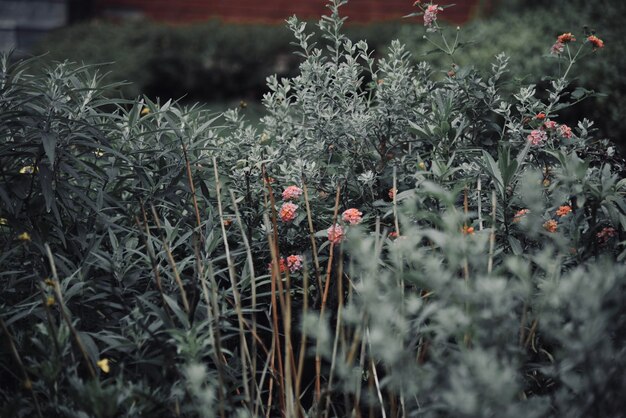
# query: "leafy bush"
{"points": [[389, 242], [524, 30]]}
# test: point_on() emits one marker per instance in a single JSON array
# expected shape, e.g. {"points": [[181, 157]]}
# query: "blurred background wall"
{"points": [[25, 22], [272, 11]]}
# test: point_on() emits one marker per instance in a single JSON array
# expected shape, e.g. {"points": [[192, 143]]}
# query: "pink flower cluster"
{"points": [[336, 234], [565, 131], [550, 124], [287, 212], [561, 40], [292, 193], [606, 234], [430, 14], [596, 42], [537, 137], [557, 48], [294, 262], [352, 216]]}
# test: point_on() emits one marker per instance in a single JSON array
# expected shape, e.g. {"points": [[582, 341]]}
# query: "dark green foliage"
{"points": [[209, 62], [142, 287]]}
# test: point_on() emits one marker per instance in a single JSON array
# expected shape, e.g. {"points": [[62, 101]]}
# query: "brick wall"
{"points": [[273, 11]]}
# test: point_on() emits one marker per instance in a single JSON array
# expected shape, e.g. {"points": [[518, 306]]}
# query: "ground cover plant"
{"points": [[387, 242]]}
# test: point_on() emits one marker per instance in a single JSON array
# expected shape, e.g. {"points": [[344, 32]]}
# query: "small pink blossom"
{"points": [[596, 42], [336, 234], [292, 193], [430, 15], [565, 131], [563, 211], [352, 216], [566, 37], [606, 234], [294, 262], [557, 48], [520, 214], [287, 212], [537, 137], [550, 124], [392, 193], [551, 226]]}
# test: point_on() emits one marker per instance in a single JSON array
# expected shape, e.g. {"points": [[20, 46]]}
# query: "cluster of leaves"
{"points": [[136, 239]]}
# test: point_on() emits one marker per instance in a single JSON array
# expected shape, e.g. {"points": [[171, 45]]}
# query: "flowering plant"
{"points": [[489, 262]]}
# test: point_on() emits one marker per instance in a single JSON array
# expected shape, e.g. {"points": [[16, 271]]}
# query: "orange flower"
{"points": [[550, 225], [282, 265], [540, 116], [563, 210], [595, 41], [352, 216], [287, 212], [519, 215], [565, 38], [467, 230]]}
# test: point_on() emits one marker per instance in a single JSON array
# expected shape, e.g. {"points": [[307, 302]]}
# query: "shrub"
{"points": [[390, 242], [524, 31]]}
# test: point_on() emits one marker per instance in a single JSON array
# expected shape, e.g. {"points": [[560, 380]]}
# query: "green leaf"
{"points": [[494, 171], [49, 141], [516, 246]]}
